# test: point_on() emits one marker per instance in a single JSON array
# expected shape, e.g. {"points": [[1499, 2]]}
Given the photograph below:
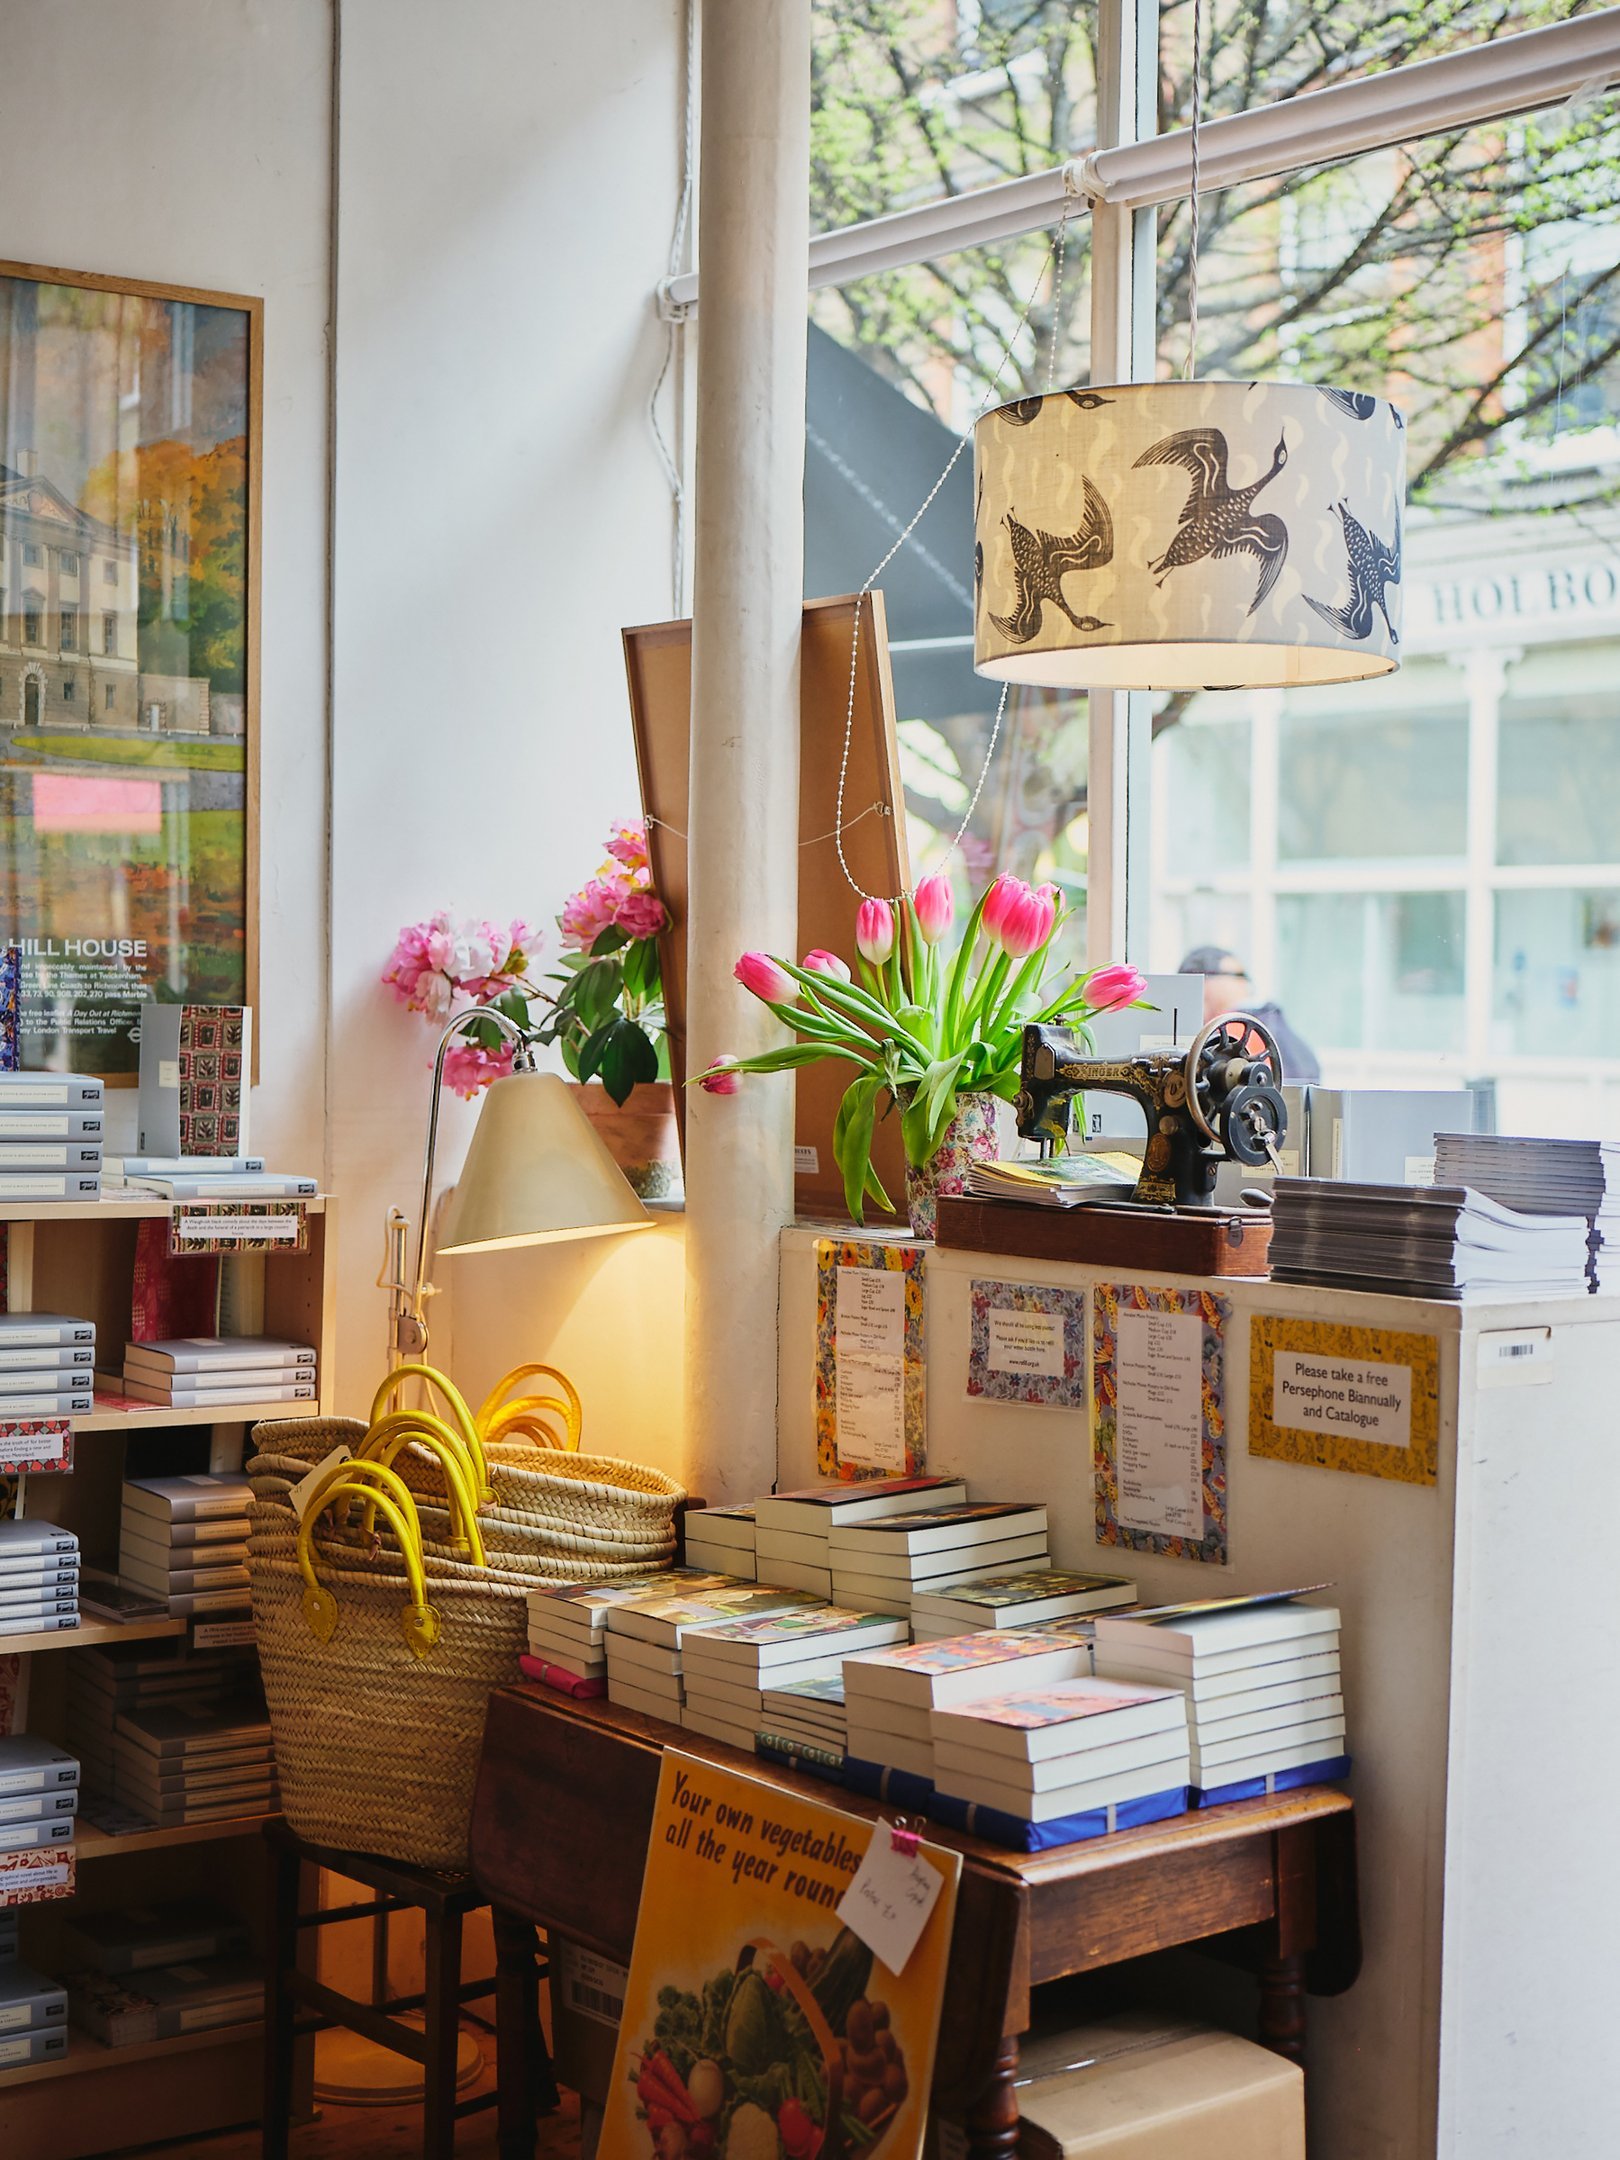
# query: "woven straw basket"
{"points": [[377, 1741]]}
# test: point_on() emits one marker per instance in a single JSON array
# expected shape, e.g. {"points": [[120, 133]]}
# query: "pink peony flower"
{"points": [[593, 909], [641, 915], [766, 978], [1108, 988], [822, 962], [722, 1081], [468, 1068], [874, 931], [935, 904], [1003, 893], [628, 843]]}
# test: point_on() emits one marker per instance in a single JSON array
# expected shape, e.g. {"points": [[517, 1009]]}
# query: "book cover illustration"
{"points": [[212, 1045], [952, 1518], [749, 2011], [836, 1496], [1027, 1344], [829, 1688], [667, 1582], [967, 1653], [1033, 1709], [11, 1008], [812, 1620], [1205, 1608], [1029, 1588]]}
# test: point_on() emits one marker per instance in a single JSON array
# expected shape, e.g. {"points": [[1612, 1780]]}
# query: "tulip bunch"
{"points": [[923, 1024]]}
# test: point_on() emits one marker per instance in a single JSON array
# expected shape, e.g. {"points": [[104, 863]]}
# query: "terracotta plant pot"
{"points": [[641, 1136], [969, 1138]]}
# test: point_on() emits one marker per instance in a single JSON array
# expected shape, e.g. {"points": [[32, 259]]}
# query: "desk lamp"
{"points": [[536, 1174]]}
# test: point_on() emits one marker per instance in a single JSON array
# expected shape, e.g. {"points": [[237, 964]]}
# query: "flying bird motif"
{"points": [[1354, 402], [1217, 519], [1374, 566], [1023, 410], [1041, 561]]}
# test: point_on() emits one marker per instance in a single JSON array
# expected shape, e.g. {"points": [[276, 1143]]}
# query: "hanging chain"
{"points": [[1190, 365], [1054, 256]]}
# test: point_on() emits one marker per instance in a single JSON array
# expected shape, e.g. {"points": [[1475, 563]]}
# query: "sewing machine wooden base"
{"points": [[1208, 1241]]}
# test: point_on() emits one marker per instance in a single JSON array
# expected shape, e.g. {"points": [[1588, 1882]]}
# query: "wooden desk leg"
{"points": [[279, 2009], [519, 2043], [441, 2011], [1282, 2007], [992, 2121]]}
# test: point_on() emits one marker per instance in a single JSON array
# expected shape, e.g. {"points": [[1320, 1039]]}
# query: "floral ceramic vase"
{"points": [[970, 1138]]}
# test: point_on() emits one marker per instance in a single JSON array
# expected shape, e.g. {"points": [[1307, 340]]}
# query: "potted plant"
{"points": [[934, 1033]]}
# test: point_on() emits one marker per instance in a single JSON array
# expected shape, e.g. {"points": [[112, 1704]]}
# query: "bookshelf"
{"points": [[76, 1258]]}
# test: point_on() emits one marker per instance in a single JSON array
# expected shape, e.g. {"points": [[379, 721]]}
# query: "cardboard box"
{"points": [[1139, 2088]]}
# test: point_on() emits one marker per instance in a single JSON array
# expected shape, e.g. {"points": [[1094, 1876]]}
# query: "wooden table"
{"points": [[562, 1819]]}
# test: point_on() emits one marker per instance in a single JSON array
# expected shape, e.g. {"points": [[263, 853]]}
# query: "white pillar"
{"points": [[748, 588]]}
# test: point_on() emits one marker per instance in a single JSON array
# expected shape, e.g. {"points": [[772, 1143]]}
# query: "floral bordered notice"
{"points": [[834, 1255], [39, 1444], [1027, 1344], [1111, 1301], [1361, 1399]]}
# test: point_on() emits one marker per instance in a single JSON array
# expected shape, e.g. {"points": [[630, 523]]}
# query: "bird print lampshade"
{"points": [[1188, 535]]}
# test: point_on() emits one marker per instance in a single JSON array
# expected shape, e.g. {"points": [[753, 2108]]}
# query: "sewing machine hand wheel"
{"points": [[1234, 1089]]}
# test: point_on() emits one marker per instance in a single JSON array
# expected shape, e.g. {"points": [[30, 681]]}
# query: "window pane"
{"points": [[1557, 979], [1372, 971], [1558, 762], [1201, 764], [1369, 785]]}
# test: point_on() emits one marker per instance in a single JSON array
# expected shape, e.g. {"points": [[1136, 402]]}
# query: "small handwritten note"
{"points": [[888, 1903]]}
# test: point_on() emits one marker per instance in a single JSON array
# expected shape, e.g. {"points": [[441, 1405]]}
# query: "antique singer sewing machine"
{"points": [[1219, 1099]]}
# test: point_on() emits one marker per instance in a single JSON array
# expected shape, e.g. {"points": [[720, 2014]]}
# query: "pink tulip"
{"points": [[723, 1080], [935, 904], [874, 931], [1111, 987], [1003, 894], [767, 978], [822, 962], [1027, 925]]}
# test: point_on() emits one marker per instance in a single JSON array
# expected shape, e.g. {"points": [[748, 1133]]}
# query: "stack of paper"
{"points": [[890, 1697], [882, 1565], [200, 1372], [39, 1805], [39, 1578], [1438, 1241], [792, 1529], [802, 1723], [1545, 1177], [1019, 1597], [1047, 1766], [47, 1365], [646, 1641], [184, 1539], [729, 1668], [721, 1537], [184, 1765], [50, 1136], [1261, 1679], [568, 1622]]}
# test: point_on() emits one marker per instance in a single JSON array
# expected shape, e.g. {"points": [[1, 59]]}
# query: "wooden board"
{"points": [[1213, 1241], [658, 661]]}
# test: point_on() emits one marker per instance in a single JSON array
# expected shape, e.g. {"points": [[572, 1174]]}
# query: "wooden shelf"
{"points": [[121, 1413], [95, 1631], [122, 1207], [87, 2054], [93, 1844]]}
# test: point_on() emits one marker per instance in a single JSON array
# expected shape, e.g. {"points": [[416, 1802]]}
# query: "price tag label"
{"points": [[1515, 1357], [302, 1493], [888, 1903]]}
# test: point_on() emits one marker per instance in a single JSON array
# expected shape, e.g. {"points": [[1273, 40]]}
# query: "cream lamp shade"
{"points": [[536, 1173], [1188, 536]]}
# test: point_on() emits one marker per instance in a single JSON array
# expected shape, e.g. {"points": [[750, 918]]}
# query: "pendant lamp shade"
{"points": [[536, 1173], [1187, 536]]}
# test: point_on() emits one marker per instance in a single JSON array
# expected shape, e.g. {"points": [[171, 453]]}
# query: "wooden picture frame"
{"points": [[131, 441], [658, 662]]}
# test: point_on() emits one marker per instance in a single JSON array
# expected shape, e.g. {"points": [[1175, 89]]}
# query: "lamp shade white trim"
{"points": [[536, 1172], [1188, 535]]}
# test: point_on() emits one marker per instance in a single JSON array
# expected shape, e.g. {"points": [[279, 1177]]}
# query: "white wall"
{"points": [[198, 153], [505, 176]]}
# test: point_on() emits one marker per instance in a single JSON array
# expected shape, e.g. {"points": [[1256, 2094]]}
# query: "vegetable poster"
{"points": [[756, 2026]]}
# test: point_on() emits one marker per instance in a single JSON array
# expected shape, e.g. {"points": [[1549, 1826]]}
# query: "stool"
{"points": [[524, 2085]]}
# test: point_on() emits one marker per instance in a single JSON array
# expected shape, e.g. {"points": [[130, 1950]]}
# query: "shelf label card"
{"points": [[1515, 1357], [1359, 1398]]}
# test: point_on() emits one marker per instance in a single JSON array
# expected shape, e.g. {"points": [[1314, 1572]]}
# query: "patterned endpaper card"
{"points": [[1361, 1399]]}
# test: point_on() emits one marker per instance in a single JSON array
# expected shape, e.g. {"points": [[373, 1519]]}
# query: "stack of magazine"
{"points": [[1436, 1241], [1058, 1181], [1545, 1177]]}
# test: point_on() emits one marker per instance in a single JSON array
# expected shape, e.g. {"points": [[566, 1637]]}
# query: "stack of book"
{"points": [[890, 1697], [803, 1724], [184, 1539], [202, 1372], [729, 1668], [113, 1680], [1544, 1177], [184, 1765], [39, 1805], [33, 2013], [50, 1136], [47, 1365], [568, 1623], [1049, 1766], [159, 1971], [208, 1177], [721, 1537], [647, 1641], [792, 1530], [881, 1565], [39, 1577], [1021, 1597], [1434, 1241], [1261, 1680]]}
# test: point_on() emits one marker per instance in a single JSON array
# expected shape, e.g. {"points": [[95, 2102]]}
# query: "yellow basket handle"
{"points": [[419, 1622], [383, 1442], [456, 1404], [525, 1419], [570, 1404]]}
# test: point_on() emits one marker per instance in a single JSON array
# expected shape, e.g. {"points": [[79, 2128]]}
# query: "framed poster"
{"points": [[129, 543]]}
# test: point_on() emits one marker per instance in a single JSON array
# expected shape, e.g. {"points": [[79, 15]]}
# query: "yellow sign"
{"points": [[756, 2026], [1345, 1398]]}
